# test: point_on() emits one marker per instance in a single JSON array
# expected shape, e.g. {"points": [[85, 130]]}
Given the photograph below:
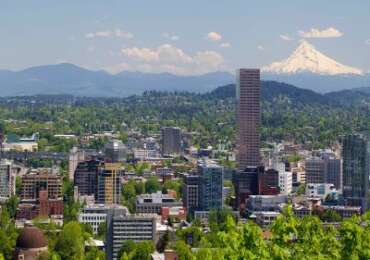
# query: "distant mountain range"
{"points": [[306, 68], [73, 80]]}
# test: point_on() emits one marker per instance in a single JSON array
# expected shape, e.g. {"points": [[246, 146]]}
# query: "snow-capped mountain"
{"points": [[307, 59]]}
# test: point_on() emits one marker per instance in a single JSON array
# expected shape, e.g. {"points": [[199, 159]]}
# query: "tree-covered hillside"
{"points": [[288, 112]]}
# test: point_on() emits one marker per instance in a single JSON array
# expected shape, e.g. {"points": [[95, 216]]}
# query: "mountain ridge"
{"points": [[69, 79]]}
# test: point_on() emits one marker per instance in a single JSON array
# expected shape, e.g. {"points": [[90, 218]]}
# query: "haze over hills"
{"points": [[73, 80], [309, 68], [306, 67]]}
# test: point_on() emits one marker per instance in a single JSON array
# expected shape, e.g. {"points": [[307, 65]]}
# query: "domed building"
{"points": [[30, 244]]}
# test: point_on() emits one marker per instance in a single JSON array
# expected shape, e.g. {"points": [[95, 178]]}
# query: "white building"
{"points": [[285, 182], [320, 190], [144, 154], [97, 214], [266, 202], [154, 202], [7, 180], [266, 218]]}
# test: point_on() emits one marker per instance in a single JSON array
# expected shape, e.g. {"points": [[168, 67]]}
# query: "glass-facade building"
{"points": [[356, 171]]}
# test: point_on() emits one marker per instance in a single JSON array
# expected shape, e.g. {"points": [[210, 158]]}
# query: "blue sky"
{"points": [[184, 37]]}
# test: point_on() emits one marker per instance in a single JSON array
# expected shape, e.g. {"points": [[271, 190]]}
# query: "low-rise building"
{"points": [[145, 154], [98, 214], [153, 203], [320, 190], [344, 211], [266, 218], [265, 202]]}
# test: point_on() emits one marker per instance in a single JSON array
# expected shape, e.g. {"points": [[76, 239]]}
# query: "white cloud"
{"points": [[118, 68], [103, 34], [165, 53], [90, 49], [90, 35], [214, 36], [123, 34], [260, 48], [141, 54], [330, 32], [110, 33], [225, 45], [367, 42], [170, 36], [169, 58], [170, 54], [286, 37], [208, 58]]}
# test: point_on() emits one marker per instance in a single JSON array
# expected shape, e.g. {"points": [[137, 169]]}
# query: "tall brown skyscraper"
{"points": [[248, 118]]}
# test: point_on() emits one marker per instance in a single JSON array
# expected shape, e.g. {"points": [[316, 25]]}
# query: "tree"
{"points": [[102, 231], [183, 251], [127, 247], [152, 185], [94, 254], [301, 189], [70, 243], [136, 251], [330, 216], [163, 242], [8, 235], [218, 218], [18, 185], [11, 205], [143, 251], [128, 195], [139, 187]]}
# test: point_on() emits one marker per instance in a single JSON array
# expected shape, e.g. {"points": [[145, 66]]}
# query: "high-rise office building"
{"points": [[315, 170], [356, 170], [109, 184], [324, 170], [75, 156], [246, 183], [42, 180], [171, 140], [190, 195], [86, 177], [269, 182], [211, 187], [248, 118], [7, 180], [334, 172], [204, 191], [137, 228]]}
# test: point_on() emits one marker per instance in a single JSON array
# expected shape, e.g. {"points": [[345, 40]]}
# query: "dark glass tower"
{"points": [[356, 172]]}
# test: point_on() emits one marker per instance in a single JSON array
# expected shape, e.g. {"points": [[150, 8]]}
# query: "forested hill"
{"points": [[271, 90], [288, 113]]}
